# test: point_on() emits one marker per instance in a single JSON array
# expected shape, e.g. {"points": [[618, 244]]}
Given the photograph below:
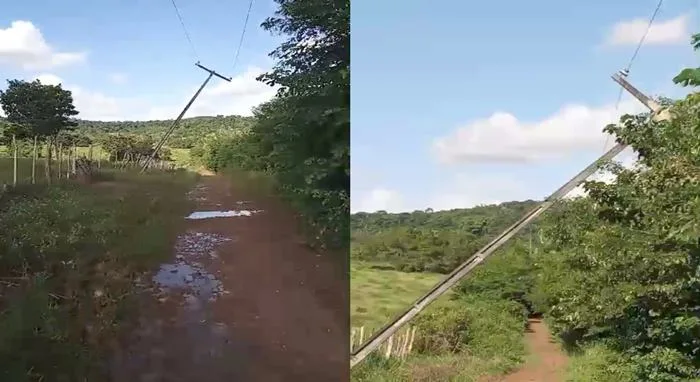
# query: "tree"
{"points": [[45, 110], [304, 134]]}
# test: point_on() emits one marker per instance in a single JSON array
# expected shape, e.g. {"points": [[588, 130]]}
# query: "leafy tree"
{"points": [[41, 110], [302, 136], [188, 135], [429, 241], [130, 147]]}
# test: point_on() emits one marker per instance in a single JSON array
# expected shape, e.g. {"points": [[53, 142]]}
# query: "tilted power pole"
{"points": [[373, 343], [182, 114]]}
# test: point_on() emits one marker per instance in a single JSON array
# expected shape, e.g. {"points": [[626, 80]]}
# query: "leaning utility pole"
{"points": [[182, 113], [373, 343]]}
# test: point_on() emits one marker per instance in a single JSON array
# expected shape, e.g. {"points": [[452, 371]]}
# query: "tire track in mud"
{"points": [[243, 299]]}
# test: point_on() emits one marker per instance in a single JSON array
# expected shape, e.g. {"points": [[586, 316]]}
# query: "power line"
{"points": [[245, 25], [626, 71], [644, 36], [184, 28]]}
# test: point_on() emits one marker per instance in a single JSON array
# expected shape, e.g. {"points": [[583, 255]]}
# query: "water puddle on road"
{"points": [[181, 328], [190, 278], [186, 273], [220, 214]]}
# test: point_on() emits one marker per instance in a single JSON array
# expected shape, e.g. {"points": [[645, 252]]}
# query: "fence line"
{"points": [[399, 345], [69, 163]]}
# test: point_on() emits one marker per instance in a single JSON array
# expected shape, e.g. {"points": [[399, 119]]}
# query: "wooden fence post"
{"points": [[34, 157], [14, 172], [59, 158]]}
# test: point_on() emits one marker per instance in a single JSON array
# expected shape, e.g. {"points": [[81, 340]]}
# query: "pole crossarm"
{"points": [[182, 113], [375, 341]]}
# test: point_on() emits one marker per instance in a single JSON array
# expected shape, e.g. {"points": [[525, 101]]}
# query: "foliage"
{"points": [[188, 134], [121, 146], [42, 110], [616, 273], [302, 136], [690, 76], [429, 241], [37, 110], [460, 339], [625, 268], [70, 258]]}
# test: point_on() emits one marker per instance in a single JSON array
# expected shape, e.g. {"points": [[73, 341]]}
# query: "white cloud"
{"points": [[92, 105], [239, 97], [379, 199], [22, 45], [503, 138], [49, 79], [118, 78], [630, 32]]}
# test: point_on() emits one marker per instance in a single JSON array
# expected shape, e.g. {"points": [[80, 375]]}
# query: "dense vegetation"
{"points": [[429, 241], [302, 136], [616, 274], [188, 133], [71, 256]]}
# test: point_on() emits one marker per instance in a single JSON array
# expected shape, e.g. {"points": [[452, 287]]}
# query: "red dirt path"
{"points": [[546, 361], [284, 316]]}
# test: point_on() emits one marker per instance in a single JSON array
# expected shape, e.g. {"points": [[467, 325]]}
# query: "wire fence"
{"points": [[30, 162], [399, 345]]}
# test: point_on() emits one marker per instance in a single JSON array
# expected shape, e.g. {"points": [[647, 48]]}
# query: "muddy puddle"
{"points": [[184, 329], [187, 275], [220, 214]]}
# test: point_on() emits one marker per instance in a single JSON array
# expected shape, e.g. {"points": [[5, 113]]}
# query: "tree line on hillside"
{"points": [[615, 273], [425, 241], [301, 136], [188, 133]]}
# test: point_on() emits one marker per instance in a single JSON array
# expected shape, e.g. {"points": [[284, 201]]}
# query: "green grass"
{"points": [[70, 258], [376, 296], [492, 344], [181, 157], [598, 363]]}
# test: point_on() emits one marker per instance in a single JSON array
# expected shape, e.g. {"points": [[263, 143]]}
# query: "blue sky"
{"points": [[129, 59], [458, 103]]}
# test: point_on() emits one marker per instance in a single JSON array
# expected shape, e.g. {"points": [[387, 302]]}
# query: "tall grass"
{"points": [[69, 258], [458, 338]]}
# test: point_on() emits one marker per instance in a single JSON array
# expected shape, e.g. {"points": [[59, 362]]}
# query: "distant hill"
{"points": [[186, 135], [429, 241]]}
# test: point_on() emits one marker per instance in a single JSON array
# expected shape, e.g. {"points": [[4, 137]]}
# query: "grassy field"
{"points": [[491, 345], [70, 258], [376, 296]]}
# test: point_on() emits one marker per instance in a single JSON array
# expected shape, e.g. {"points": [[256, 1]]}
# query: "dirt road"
{"points": [[546, 362], [244, 299]]}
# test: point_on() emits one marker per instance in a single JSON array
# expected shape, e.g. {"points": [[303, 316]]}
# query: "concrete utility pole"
{"points": [[182, 113], [373, 343]]}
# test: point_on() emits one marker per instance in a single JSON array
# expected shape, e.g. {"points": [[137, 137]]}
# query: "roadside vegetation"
{"points": [[71, 256], [615, 274], [301, 138]]}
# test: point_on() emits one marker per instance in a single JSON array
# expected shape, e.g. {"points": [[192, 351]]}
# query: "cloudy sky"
{"points": [[459, 103], [454, 103], [130, 59]]}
